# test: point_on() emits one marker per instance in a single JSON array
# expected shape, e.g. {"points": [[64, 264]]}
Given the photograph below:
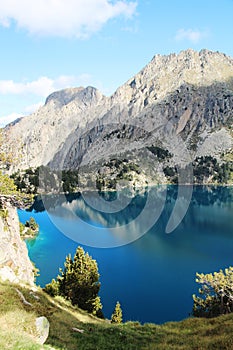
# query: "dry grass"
{"points": [[17, 328]]}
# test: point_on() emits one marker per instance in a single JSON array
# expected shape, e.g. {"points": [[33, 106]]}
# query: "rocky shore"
{"points": [[15, 265]]}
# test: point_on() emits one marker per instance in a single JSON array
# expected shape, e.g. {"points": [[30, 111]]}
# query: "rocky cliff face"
{"points": [[39, 136], [180, 103], [15, 265]]}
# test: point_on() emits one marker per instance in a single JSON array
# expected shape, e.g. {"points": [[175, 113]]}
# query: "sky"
{"points": [[49, 45]]}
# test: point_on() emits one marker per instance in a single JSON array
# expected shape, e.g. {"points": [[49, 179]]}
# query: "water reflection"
{"points": [[202, 195], [87, 221], [116, 218]]}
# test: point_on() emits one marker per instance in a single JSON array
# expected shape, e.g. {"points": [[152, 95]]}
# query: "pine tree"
{"points": [[117, 314], [79, 282]]}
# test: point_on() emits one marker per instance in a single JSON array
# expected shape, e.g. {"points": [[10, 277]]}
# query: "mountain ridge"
{"points": [[182, 103]]}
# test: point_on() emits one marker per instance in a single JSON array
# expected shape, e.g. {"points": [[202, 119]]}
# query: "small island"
{"points": [[30, 229]]}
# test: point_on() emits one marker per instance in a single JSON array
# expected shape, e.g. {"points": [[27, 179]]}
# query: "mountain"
{"points": [[40, 135], [176, 111]]}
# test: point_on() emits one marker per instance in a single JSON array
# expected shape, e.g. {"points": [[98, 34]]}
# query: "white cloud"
{"points": [[9, 118], [64, 18], [191, 35], [43, 86], [4, 120], [32, 108], [38, 90]]}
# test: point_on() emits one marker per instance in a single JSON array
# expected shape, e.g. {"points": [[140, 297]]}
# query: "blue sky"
{"points": [[48, 45]]}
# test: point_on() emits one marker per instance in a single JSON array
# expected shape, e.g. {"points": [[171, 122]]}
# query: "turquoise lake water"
{"points": [[150, 272]]}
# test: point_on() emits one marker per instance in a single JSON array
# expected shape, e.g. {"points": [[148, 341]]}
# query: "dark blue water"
{"points": [[154, 276]]}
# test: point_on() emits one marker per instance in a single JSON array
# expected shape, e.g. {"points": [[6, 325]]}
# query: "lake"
{"points": [[151, 272]]}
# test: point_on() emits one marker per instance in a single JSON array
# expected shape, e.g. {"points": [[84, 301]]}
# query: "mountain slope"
{"points": [[181, 103], [39, 135], [17, 330]]}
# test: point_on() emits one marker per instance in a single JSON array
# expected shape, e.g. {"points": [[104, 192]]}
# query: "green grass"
{"points": [[17, 328]]}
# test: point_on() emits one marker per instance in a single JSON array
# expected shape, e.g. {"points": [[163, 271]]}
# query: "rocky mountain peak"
{"points": [[88, 95], [64, 96], [166, 73], [40, 134]]}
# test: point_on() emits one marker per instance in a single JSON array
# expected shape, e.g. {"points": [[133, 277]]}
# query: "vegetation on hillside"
{"points": [[115, 170], [160, 152], [42, 179], [27, 181], [171, 174], [17, 328], [206, 170], [7, 185]]}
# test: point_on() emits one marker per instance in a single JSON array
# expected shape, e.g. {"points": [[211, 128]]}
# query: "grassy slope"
{"points": [[17, 330]]}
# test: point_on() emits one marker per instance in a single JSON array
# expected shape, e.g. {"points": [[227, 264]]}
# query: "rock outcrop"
{"points": [[42, 326], [15, 265]]}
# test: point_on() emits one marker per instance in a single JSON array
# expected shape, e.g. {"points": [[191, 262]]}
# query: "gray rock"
{"points": [[42, 326], [15, 265]]}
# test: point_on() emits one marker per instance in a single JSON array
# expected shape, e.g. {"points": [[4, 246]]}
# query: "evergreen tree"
{"points": [[117, 314], [79, 282], [32, 224]]}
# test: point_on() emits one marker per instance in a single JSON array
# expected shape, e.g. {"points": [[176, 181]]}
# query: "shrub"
{"points": [[52, 288], [117, 314], [216, 294]]}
